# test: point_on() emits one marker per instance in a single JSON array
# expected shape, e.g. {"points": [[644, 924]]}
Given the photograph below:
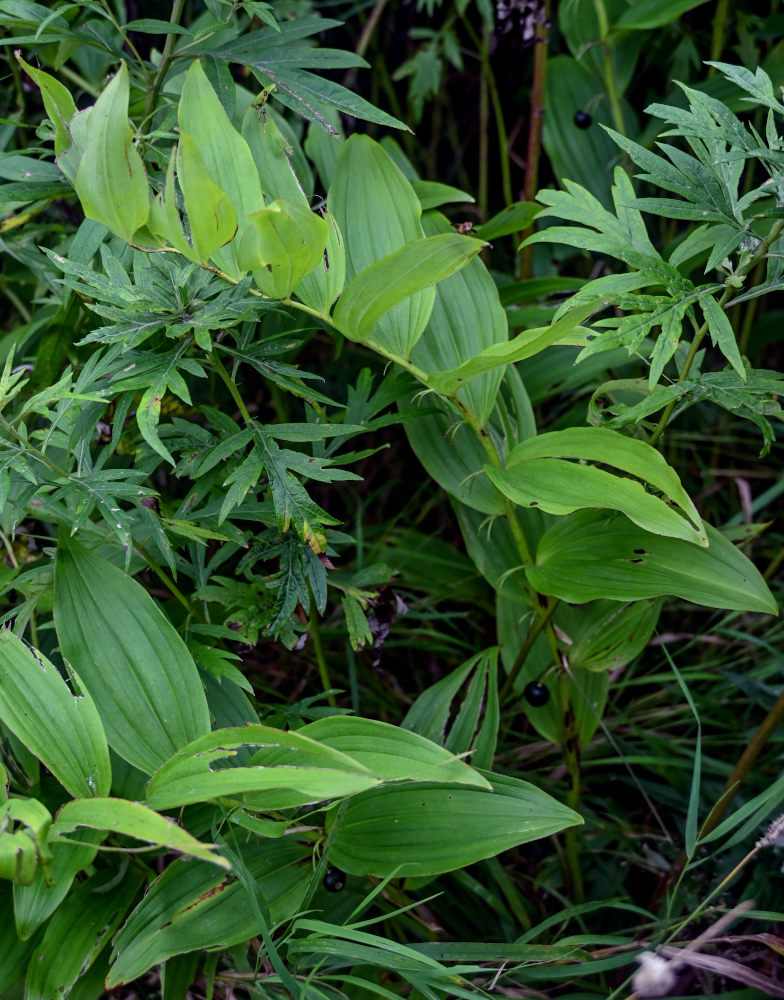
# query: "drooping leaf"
{"points": [[300, 768], [282, 243], [535, 477], [131, 819], [390, 752]]}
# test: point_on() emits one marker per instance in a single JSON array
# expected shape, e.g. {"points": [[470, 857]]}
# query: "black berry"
{"points": [[334, 880], [582, 119], [536, 694]]}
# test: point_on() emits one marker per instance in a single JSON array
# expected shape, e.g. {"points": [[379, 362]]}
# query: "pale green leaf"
{"points": [[382, 285], [111, 181], [211, 215], [281, 244]]}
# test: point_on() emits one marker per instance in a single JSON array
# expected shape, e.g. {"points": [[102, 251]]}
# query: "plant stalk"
{"points": [[163, 66], [536, 121]]}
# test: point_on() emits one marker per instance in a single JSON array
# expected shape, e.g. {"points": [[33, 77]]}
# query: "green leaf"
{"points": [[131, 819], [646, 14], [304, 770], [211, 216], [426, 829], [431, 194], [513, 219], [57, 100], [613, 634], [378, 213], [378, 288], [507, 352], [133, 662], [190, 907], [226, 155], [35, 903], [164, 220], [722, 333], [64, 731], [78, 931], [391, 753], [24, 832], [281, 244], [321, 286], [534, 478], [467, 318], [589, 555], [111, 181]]}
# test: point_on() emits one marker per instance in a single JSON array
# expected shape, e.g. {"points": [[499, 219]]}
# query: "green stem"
{"points": [[318, 649], [536, 120], [163, 66], [364, 39], [525, 649], [571, 752], [220, 368], [483, 49], [719, 31], [608, 71], [729, 293], [165, 579], [121, 32], [484, 114]]}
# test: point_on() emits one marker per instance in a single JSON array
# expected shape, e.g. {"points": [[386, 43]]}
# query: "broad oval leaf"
{"points": [[427, 829], [111, 180], [62, 730], [377, 213], [135, 665], [131, 819], [191, 907], [378, 288], [290, 770], [587, 555]]}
